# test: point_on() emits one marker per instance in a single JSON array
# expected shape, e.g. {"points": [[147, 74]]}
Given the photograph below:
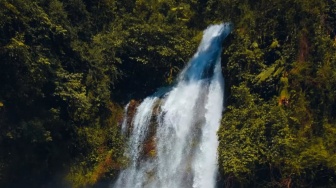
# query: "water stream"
{"points": [[172, 136]]}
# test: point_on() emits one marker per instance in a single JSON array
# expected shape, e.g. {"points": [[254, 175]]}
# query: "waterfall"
{"points": [[124, 123], [172, 140]]}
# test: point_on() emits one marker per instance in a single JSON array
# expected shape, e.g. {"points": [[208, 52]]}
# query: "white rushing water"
{"points": [[181, 124], [124, 123]]}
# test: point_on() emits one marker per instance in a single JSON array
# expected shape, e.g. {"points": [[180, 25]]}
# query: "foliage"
{"points": [[66, 67], [280, 71]]}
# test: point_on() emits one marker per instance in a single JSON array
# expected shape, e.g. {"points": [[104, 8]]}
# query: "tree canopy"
{"points": [[68, 67]]}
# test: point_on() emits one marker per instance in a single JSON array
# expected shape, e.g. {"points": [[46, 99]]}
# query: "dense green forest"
{"points": [[68, 67]]}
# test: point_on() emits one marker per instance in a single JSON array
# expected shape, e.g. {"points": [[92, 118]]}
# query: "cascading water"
{"points": [[181, 124]]}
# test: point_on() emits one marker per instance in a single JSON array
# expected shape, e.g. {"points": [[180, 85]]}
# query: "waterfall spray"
{"points": [[182, 124]]}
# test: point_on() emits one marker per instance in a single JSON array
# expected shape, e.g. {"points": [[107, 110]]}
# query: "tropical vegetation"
{"points": [[67, 68]]}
